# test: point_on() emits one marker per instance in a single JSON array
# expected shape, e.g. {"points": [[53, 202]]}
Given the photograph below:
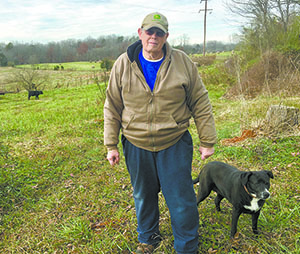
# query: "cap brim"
{"points": [[147, 27]]}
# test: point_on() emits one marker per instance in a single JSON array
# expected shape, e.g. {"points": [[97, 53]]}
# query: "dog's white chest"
{"points": [[253, 205]]}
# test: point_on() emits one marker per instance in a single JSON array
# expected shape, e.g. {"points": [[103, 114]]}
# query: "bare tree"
{"points": [[263, 11], [285, 10], [267, 18], [29, 79]]}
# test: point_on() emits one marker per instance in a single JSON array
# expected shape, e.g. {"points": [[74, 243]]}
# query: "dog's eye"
{"points": [[265, 183]]}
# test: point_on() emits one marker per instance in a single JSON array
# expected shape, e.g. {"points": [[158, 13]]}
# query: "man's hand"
{"points": [[113, 157], [206, 152]]}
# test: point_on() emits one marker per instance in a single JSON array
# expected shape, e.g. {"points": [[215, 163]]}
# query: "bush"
{"points": [[216, 75], [273, 74], [3, 60], [107, 64], [203, 60]]}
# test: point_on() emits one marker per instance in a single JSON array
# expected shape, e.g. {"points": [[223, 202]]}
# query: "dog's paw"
{"points": [[256, 233], [235, 236], [235, 241]]}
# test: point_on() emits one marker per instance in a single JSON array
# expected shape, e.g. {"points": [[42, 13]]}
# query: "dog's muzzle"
{"points": [[264, 195]]}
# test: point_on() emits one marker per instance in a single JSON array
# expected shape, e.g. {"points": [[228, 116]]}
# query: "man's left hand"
{"points": [[206, 152]]}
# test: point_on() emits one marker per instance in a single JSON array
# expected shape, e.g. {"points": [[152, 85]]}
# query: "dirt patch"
{"points": [[245, 135]]}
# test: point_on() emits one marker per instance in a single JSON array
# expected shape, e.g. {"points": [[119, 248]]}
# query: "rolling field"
{"points": [[58, 194]]}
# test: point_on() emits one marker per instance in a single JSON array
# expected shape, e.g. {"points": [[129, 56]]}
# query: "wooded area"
{"points": [[89, 49]]}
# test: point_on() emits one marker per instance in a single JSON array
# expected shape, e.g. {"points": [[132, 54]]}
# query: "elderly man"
{"points": [[153, 92]]}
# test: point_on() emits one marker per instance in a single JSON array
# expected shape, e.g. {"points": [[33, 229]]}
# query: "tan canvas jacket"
{"points": [[156, 120]]}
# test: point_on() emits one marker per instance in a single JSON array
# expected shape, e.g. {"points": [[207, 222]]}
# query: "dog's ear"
{"points": [[270, 174], [245, 177]]}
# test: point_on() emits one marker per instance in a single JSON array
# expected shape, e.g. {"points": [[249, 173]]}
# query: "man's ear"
{"points": [[140, 30], [245, 177]]}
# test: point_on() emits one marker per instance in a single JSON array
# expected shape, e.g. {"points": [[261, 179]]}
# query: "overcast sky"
{"points": [[43, 21]]}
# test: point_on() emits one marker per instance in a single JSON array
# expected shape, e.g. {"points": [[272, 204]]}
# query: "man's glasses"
{"points": [[157, 32]]}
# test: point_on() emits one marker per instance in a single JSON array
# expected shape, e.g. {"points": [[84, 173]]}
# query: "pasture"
{"points": [[58, 194]]}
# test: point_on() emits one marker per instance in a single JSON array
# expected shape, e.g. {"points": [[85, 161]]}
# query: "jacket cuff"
{"points": [[207, 145], [111, 148]]}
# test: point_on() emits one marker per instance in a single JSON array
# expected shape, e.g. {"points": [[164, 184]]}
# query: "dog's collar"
{"points": [[248, 192]]}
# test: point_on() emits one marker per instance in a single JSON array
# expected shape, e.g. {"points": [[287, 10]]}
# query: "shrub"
{"points": [[3, 60], [203, 60]]}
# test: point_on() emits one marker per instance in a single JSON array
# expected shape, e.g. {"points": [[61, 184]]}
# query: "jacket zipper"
{"points": [[150, 103], [151, 121], [152, 106]]}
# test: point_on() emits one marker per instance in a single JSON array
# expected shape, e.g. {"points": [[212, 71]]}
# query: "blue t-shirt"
{"points": [[150, 69]]}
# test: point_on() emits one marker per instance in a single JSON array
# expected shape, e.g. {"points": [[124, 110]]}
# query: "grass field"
{"points": [[70, 66], [58, 193], [73, 74]]}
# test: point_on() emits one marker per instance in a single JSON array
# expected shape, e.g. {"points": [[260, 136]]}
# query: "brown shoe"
{"points": [[144, 248]]}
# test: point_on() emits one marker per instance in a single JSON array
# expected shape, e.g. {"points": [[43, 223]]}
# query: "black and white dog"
{"points": [[34, 93], [246, 191]]}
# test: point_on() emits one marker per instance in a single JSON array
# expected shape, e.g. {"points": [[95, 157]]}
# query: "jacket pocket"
{"points": [[164, 122], [184, 124], [127, 118]]}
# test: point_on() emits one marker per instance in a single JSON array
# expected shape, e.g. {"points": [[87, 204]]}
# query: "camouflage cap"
{"points": [[155, 19]]}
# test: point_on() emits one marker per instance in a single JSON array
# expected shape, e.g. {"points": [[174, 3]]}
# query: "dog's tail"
{"points": [[196, 180]]}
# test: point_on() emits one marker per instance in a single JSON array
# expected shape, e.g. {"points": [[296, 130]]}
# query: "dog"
{"points": [[246, 191], [34, 93]]}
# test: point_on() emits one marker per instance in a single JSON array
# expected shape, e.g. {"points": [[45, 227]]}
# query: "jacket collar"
{"points": [[134, 49]]}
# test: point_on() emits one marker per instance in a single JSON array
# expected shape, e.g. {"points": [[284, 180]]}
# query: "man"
{"points": [[153, 92]]}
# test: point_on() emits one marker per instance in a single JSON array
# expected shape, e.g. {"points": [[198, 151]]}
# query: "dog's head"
{"points": [[257, 183]]}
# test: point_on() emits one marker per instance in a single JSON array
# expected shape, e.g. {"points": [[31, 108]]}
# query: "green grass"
{"points": [[58, 193]]}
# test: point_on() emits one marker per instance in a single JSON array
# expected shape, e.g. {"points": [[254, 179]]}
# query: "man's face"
{"points": [[153, 39]]}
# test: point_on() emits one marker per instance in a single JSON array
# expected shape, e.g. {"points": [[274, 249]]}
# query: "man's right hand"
{"points": [[113, 157]]}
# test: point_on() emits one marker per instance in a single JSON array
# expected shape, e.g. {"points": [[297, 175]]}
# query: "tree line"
{"points": [[89, 49], [71, 50]]}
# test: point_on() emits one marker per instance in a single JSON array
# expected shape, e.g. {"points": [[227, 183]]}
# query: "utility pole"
{"points": [[205, 13]]}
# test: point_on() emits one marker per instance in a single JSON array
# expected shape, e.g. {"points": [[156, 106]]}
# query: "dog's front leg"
{"points": [[254, 221], [234, 222]]}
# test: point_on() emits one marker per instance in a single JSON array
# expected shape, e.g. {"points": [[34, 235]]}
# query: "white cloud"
{"points": [[44, 21]]}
